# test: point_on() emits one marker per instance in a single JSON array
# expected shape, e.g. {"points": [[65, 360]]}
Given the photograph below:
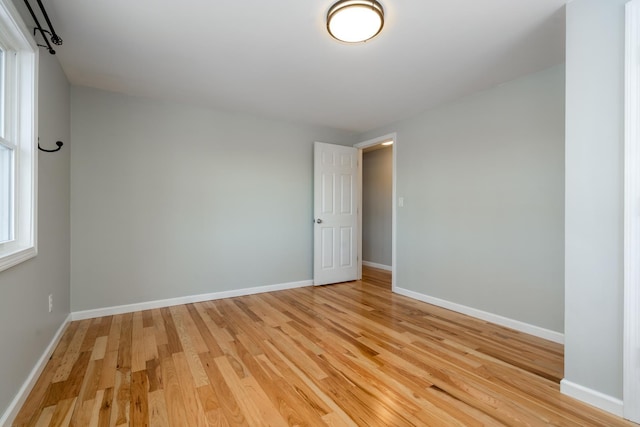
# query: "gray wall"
{"points": [[483, 187], [594, 194], [377, 194], [170, 200], [26, 326]]}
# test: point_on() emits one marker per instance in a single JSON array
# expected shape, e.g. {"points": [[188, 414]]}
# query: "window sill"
{"points": [[16, 257]]}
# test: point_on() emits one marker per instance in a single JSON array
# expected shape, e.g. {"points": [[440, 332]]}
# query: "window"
{"points": [[6, 193], [18, 77]]}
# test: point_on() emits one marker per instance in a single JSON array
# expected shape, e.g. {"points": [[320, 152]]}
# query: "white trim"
{"points": [[484, 315], [368, 143], [360, 208], [128, 308], [394, 216], [631, 335], [376, 265], [17, 257], [17, 402], [592, 397]]}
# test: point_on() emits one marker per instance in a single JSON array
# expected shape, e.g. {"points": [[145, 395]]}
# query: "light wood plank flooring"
{"points": [[340, 355]]}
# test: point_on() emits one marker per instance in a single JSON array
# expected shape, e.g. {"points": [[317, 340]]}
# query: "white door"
{"points": [[335, 205]]}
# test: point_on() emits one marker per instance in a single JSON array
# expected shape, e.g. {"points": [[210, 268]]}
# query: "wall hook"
{"points": [[58, 143]]}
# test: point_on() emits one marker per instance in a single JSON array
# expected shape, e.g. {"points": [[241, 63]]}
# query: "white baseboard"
{"points": [[376, 265], [484, 315], [17, 402], [592, 397], [120, 309]]}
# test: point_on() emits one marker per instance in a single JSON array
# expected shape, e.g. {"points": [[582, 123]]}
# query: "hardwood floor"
{"points": [[347, 354]]}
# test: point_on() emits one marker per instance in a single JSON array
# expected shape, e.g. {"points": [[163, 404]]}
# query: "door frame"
{"points": [[361, 146], [631, 334]]}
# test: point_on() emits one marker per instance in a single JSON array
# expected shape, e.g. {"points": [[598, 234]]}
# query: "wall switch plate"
{"points": [[50, 303], [401, 202]]}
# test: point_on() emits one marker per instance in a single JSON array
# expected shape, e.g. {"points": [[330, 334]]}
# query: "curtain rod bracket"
{"points": [[55, 39]]}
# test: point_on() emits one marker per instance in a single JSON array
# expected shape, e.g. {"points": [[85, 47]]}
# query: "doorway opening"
{"points": [[377, 207]]}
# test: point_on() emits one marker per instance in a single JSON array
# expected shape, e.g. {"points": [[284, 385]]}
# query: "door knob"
{"points": [[319, 221]]}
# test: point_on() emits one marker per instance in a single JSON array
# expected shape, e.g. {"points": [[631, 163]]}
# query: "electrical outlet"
{"points": [[50, 303]]}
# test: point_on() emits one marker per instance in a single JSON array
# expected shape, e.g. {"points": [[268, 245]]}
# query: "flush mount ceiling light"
{"points": [[355, 21]]}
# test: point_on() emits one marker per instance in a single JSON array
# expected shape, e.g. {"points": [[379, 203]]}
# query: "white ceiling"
{"points": [[276, 59]]}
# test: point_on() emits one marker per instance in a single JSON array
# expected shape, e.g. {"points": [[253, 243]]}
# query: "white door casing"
{"points": [[631, 346], [335, 205]]}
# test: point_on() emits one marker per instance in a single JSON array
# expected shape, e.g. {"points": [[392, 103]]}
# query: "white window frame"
{"points": [[20, 108]]}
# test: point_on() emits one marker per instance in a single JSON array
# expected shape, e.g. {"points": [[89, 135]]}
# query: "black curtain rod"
{"points": [[39, 28], [55, 39]]}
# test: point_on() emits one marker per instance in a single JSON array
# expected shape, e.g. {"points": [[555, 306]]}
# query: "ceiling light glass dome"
{"points": [[355, 21]]}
